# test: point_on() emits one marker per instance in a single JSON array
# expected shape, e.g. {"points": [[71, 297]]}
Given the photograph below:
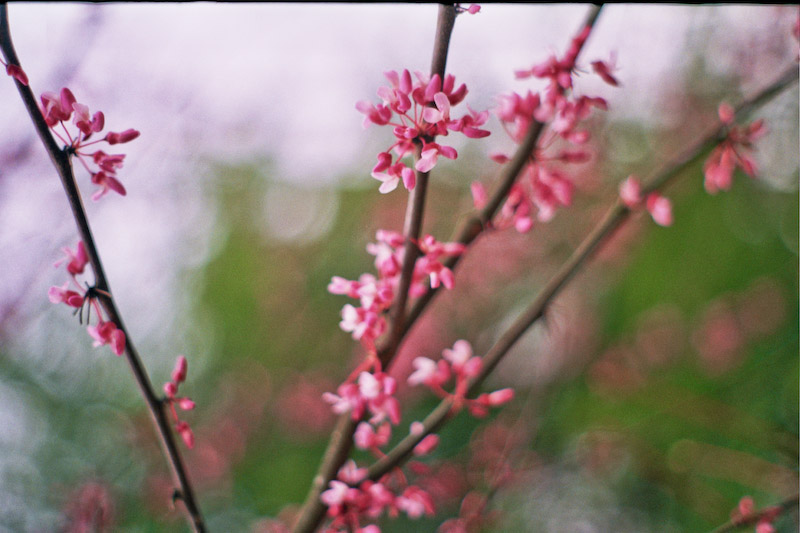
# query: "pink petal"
{"points": [[16, 72]]}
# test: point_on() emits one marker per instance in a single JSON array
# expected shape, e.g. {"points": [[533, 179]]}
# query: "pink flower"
{"points": [[64, 295], [426, 445], [179, 372], [16, 72], [108, 333], [630, 192], [418, 111], [726, 113], [392, 177], [336, 494], [734, 151], [76, 261], [186, 434], [427, 372], [367, 438], [415, 502], [430, 154], [347, 400], [57, 109], [350, 473], [122, 137], [107, 183], [86, 123], [479, 196], [604, 70], [660, 209]]}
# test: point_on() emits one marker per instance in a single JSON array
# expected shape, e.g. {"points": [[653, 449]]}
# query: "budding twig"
{"points": [[63, 166], [612, 220], [476, 225], [753, 518], [341, 442]]}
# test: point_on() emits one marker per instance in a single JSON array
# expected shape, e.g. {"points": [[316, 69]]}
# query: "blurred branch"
{"points": [[341, 442], [63, 166], [753, 518], [605, 228]]}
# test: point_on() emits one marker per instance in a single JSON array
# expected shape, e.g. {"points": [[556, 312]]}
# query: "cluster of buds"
{"points": [[171, 399], [59, 108], [376, 294], [459, 363], [659, 207], [73, 294], [734, 151], [418, 110], [542, 190], [745, 510], [352, 500]]}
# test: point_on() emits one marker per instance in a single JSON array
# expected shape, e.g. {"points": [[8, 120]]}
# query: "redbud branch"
{"points": [[476, 225], [613, 219], [63, 166], [338, 450], [753, 518]]}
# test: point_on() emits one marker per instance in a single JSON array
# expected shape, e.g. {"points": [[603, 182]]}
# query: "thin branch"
{"points": [[313, 511], [753, 518], [63, 167], [475, 226], [612, 220]]}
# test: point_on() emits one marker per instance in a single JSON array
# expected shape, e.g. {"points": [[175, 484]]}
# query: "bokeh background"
{"points": [[662, 388]]}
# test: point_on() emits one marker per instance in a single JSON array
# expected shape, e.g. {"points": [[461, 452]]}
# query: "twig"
{"points": [[753, 518], [63, 167], [341, 442], [475, 226], [613, 218]]}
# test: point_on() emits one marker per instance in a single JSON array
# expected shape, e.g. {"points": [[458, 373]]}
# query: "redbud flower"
{"points": [[604, 70], [59, 108], [16, 72], [426, 445], [418, 111], [415, 502], [186, 404], [479, 196], [660, 209], [108, 333], [733, 151], [630, 192], [186, 434], [76, 261], [179, 373], [123, 137], [64, 295]]}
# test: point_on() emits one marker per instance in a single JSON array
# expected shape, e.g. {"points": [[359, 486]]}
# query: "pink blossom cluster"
{"points": [[659, 207], [58, 108], [459, 363], [77, 296], [172, 399], [353, 500], [376, 294], [543, 189], [418, 110], [734, 151]]}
